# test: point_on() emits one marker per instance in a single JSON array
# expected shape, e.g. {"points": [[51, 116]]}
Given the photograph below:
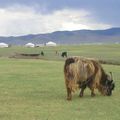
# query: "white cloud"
{"points": [[24, 20]]}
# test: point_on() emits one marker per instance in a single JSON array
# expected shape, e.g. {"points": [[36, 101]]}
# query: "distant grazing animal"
{"points": [[42, 53], [64, 54], [83, 72], [56, 52]]}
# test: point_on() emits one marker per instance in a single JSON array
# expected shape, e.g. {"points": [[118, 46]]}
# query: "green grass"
{"points": [[108, 52], [35, 90]]}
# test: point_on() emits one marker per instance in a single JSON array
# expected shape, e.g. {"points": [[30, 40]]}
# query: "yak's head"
{"points": [[109, 84]]}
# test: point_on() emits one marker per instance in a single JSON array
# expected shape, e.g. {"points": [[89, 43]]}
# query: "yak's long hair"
{"points": [[78, 69]]}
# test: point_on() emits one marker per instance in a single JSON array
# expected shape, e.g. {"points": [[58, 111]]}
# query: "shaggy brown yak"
{"points": [[81, 72]]}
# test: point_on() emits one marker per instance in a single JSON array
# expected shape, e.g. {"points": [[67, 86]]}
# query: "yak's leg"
{"points": [[82, 90], [92, 91], [69, 94], [91, 86]]}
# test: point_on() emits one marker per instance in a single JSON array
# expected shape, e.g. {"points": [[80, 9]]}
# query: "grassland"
{"points": [[110, 52], [33, 89]]}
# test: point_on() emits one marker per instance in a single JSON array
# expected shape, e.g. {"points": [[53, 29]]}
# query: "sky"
{"points": [[22, 17]]}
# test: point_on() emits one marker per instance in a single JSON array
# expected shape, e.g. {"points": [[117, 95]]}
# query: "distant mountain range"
{"points": [[67, 37]]}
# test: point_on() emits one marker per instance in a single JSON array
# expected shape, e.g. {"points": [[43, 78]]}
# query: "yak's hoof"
{"points": [[81, 95], [93, 94], [68, 98]]}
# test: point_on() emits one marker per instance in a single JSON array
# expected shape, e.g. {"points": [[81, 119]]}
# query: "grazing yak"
{"points": [[42, 53], [64, 54], [82, 72]]}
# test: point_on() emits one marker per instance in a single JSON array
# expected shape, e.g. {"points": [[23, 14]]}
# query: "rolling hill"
{"points": [[67, 37]]}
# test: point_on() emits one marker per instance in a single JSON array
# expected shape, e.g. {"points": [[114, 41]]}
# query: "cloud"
{"points": [[15, 21], [106, 11]]}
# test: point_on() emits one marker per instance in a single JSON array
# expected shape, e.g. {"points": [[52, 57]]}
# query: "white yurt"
{"points": [[30, 45], [3, 45], [51, 44]]}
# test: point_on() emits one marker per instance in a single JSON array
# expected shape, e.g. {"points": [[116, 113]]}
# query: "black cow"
{"points": [[64, 54], [42, 53]]}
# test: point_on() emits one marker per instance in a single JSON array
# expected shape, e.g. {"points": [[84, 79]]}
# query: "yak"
{"points": [[80, 72], [64, 54]]}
